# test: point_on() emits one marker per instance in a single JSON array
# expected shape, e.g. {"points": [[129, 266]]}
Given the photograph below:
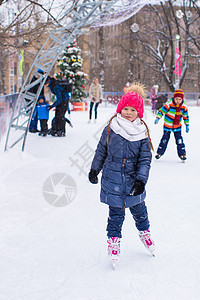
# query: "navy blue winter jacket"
{"points": [[118, 176], [59, 91], [42, 110]]}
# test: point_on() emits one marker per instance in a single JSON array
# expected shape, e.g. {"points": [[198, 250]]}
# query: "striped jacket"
{"points": [[169, 110]]}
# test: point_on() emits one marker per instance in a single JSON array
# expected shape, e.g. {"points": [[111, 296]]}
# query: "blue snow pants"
{"points": [[165, 139], [117, 216]]}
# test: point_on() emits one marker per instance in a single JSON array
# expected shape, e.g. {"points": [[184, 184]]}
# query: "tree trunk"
{"points": [[131, 54], [101, 57], [2, 63]]}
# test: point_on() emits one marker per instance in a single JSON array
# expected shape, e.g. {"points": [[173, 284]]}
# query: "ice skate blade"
{"points": [[114, 263], [152, 251], [183, 158]]}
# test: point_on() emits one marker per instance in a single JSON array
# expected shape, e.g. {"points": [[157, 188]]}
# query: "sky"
{"points": [[53, 226]]}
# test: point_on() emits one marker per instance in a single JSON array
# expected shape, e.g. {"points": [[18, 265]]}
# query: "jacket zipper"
{"points": [[123, 176]]}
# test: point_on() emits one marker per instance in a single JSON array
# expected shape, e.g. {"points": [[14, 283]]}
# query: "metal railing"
{"points": [[192, 99]]}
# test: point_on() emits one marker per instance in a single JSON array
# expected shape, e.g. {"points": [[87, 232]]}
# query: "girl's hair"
{"points": [[148, 133], [107, 139]]}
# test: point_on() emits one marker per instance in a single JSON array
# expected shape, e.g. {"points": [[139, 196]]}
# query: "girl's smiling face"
{"points": [[129, 113]]}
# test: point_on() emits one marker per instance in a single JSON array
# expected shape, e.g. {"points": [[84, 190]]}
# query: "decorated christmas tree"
{"points": [[70, 64]]}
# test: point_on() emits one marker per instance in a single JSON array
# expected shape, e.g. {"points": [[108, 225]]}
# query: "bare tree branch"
{"points": [[1, 1], [42, 7], [158, 39]]}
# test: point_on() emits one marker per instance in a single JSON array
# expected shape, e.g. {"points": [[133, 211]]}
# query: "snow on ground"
{"points": [[60, 253]]}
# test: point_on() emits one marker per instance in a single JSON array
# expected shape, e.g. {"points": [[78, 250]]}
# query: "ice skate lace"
{"points": [[114, 246]]}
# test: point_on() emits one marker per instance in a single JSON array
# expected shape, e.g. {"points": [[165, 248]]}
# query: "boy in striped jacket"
{"points": [[174, 110]]}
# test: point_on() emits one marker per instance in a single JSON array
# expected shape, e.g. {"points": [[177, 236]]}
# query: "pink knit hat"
{"points": [[134, 100]]}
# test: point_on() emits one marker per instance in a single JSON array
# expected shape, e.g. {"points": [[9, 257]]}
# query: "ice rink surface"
{"points": [[52, 249]]}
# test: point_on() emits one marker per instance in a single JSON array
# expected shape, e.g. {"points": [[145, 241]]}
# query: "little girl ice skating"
{"points": [[124, 156]]}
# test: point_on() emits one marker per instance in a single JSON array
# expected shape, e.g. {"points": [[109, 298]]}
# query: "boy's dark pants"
{"points": [[60, 116], [117, 216], [95, 109], [43, 125], [165, 139]]}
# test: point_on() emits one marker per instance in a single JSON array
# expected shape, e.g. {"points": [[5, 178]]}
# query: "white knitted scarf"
{"points": [[131, 131]]}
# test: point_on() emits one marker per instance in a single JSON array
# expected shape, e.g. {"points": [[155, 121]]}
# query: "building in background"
{"points": [[128, 54], [115, 54]]}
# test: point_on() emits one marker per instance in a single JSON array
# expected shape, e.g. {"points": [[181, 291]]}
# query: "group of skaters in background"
{"points": [[173, 110], [61, 105]]}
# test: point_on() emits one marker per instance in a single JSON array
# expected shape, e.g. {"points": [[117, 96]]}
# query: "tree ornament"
{"points": [[189, 14], [179, 14], [135, 27]]}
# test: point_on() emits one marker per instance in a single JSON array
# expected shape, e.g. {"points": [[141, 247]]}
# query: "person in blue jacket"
{"points": [[61, 105], [42, 108], [124, 156]]}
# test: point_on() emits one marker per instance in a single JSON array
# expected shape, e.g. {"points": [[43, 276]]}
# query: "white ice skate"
{"points": [[145, 237], [114, 250]]}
